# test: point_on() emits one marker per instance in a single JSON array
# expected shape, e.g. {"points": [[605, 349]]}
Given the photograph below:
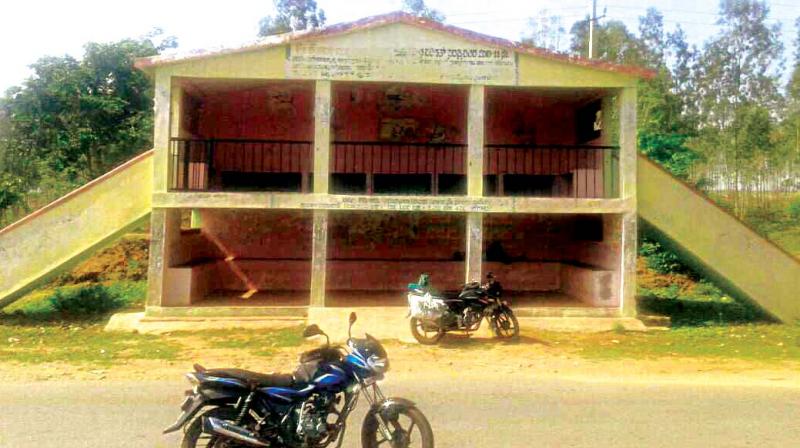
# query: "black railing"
{"points": [[283, 165], [552, 171], [233, 164], [398, 158]]}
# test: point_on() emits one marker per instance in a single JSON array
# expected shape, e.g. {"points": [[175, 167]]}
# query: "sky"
{"points": [[35, 28]]}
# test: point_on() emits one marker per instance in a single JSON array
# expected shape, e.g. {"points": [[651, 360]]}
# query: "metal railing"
{"points": [[521, 170], [202, 164], [553, 170], [398, 158]]}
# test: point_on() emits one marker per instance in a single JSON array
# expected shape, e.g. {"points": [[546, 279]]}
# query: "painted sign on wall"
{"points": [[400, 52]]}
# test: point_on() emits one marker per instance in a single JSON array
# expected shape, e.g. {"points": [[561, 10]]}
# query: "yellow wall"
{"points": [[396, 53], [258, 64]]}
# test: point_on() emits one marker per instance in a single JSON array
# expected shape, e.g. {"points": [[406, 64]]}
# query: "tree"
{"points": [[292, 15], [75, 119], [420, 9], [790, 128], [663, 128], [546, 31], [614, 43], [736, 77]]}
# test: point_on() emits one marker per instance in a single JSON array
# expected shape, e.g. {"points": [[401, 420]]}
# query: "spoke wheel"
{"points": [[505, 324], [426, 332], [409, 430]]}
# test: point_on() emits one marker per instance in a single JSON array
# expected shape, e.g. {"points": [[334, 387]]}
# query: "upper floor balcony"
{"points": [[392, 139]]}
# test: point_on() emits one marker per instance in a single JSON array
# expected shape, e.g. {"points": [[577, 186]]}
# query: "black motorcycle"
{"points": [[230, 408], [433, 314]]}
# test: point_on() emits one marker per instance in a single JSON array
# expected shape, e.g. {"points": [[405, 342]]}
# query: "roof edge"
{"points": [[392, 18]]}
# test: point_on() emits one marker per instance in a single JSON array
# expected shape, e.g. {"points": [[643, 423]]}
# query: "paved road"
{"points": [[501, 412]]}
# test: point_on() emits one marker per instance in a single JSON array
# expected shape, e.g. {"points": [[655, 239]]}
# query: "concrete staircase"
{"points": [[717, 244], [58, 236]]}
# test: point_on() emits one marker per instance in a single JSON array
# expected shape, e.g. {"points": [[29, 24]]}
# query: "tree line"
{"points": [[73, 120], [716, 114]]}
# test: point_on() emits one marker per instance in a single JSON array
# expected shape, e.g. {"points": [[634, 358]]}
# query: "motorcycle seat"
{"points": [[254, 378]]}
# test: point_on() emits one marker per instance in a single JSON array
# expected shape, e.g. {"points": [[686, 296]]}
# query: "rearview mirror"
{"points": [[312, 330], [350, 327]]}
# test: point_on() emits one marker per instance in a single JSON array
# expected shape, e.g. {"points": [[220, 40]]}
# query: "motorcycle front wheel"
{"points": [[505, 324], [410, 430], [426, 332]]}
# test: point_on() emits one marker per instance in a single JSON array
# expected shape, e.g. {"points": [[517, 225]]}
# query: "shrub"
{"points": [[794, 208], [705, 290], [661, 260], [129, 294], [85, 301]]}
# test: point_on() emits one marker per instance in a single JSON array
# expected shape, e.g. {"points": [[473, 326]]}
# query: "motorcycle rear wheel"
{"points": [[194, 437], [426, 332]]}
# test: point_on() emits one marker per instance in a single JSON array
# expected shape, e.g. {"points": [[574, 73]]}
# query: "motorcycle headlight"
{"points": [[378, 364]]}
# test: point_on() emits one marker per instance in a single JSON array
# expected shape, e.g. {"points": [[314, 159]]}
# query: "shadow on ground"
{"points": [[683, 312], [461, 341]]}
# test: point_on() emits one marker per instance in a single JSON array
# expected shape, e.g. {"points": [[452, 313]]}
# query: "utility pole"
{"points": [[592, 22], [591, 29]]}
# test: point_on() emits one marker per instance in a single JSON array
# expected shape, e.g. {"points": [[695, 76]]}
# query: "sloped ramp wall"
{"points": [[58, 236], [717, 244]]}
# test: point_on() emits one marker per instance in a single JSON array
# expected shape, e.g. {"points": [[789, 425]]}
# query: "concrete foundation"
{"points": [[380, 322]]}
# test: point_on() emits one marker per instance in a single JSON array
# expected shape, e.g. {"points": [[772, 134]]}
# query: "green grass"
{"points": [[78, 344], [38, 305], [754, 342], [257, 342], [33, 331], [788, 238]]}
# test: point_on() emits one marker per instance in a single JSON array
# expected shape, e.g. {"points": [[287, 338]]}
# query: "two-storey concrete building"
{"points": [[312, 173]]}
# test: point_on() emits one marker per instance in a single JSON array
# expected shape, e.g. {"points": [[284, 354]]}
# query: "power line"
{"points": [[483, 13]]}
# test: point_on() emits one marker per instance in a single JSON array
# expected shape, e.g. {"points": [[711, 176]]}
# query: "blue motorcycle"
{"points": [[229, 408]]}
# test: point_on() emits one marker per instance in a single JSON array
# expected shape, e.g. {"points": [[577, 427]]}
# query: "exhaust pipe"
{"points": [[212, 425]]}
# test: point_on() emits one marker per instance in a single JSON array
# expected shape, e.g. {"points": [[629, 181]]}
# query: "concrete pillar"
{"points": [[627, 143], [607, 138], [475, 140], [627, 292], [163, 99], [474, 256], [319, 258], [322, 136], [165, 233]]}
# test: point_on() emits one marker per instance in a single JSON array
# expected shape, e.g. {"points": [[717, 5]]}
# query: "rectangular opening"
{"points": [[555, 259], [452, 184], [529, 185], [588, 228], [234, 135], [400, 184], [349, 183], [490, 185], [280, 182], [560, 135], [241, 258], [372, 256]]}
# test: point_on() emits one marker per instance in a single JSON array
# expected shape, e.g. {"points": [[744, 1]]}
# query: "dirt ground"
{"points": [[533, 355]]}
